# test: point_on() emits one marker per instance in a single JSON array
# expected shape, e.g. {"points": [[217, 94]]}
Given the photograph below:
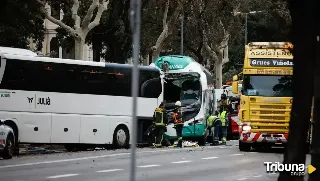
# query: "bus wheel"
{"points": [[8, 150], [121, 137], [244, 146]]}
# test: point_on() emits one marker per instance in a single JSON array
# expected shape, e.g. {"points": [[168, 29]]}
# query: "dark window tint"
{"points": [[267, 85], [80, 79]]}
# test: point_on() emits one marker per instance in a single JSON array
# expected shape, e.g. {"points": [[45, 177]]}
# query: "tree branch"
{"points": [[103, 6], [165, 15], [75, 15], [88, 17], [55, 21]]}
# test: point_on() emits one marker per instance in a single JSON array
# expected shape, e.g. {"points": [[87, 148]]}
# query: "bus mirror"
{"points": [[235, 78], [235, 87]]}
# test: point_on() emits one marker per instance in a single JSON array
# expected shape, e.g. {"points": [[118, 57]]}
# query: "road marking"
{"points": [[257, 176], [185, 161], [238, 154], [60, 176], [242, 179], [148, 166], [209, 158], [111, 170], [81, 158]]}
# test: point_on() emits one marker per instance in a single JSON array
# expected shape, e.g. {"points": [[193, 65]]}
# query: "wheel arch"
{"points": [[13, 125]]}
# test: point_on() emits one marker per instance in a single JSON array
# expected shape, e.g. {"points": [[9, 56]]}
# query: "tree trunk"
{"points": [[304, 43], [78, 48], [218, 72], [156, 53], [97, 48]]}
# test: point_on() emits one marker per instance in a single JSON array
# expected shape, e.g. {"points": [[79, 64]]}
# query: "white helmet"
{"points": [[178, 103]]}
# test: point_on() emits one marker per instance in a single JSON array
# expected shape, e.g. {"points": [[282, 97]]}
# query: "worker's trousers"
{"points": [[159, 131], [179, 128], [219, 131]]}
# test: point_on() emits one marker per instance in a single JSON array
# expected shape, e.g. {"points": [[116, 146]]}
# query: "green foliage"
{"points": [[20, 21]]}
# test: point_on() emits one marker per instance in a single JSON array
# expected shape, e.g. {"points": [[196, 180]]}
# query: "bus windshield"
{"points": [[267, 85]]}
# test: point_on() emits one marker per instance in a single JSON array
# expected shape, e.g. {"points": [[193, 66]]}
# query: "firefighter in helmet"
{"points": [[178, 122], [160, 118]]}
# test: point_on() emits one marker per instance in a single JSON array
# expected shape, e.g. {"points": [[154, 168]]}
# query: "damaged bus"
{"points": [[187, 81]]}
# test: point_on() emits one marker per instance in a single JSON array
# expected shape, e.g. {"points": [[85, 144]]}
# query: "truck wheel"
{"points": [[121, 137], [244, 146], [8, 150]]}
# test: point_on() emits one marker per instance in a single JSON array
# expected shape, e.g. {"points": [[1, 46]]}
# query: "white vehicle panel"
{"points": [[96, 129], [35, 127], [65, 128], [31, 101]]}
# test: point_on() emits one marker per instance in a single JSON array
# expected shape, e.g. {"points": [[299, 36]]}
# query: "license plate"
{"points": [[271, 138]]}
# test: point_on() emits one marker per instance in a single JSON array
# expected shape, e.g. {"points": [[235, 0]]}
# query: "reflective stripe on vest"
{"points": [[159, 115], [178, 121]]}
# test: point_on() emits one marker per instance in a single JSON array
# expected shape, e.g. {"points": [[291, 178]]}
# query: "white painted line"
{"points": [[81, 158], [238, 154], [209, 158], [60, 176], [221, 147], [111, 170], [148, 166], [256, 176], [242, 179], [185, 161]]}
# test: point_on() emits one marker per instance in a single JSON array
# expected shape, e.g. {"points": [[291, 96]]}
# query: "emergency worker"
{"points": [[212, 120], [223, 102], [216, 124], [160, 119], [178, 122], [224, 125]]}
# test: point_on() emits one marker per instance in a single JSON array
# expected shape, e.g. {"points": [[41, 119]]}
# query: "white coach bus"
{"points": [[72, 102]]}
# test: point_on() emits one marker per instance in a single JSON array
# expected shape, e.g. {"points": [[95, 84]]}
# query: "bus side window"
{"points": [[14, 75], [150, 84]]}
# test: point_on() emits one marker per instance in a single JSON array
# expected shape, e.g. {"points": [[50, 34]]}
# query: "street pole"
{"points": [[246, 30], [135, 14], [181, 43]]}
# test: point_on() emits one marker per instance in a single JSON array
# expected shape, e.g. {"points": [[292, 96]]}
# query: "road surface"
{"points": [[221, 163]]}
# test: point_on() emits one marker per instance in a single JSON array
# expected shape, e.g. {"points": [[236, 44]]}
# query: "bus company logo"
{"points": [[44, 101], [30, 99], [293, 169]]}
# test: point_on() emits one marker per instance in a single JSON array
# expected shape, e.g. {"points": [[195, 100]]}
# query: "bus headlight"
{"points": [[246, 128]]}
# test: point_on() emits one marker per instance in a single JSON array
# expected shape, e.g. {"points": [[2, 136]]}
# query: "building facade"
{"points": [[50, 42]]}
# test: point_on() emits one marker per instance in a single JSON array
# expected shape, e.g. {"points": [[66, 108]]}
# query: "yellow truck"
{"points": [[266, 94]]}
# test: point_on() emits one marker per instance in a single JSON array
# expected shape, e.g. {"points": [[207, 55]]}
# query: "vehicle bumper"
{"points": [[249, 137]]}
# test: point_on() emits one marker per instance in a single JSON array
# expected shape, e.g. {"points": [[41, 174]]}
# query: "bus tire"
{"points": [[121, 137], [244, 146], [8, 150]]}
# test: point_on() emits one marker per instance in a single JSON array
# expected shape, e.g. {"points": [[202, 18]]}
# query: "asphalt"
{"points": [[221, 163]]}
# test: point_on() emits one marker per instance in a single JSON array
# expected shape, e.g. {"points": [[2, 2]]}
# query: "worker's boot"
{"points": [[215, 143]]}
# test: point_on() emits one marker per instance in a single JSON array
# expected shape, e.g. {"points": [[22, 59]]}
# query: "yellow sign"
{"points": [[311, 169], [266, 52]]}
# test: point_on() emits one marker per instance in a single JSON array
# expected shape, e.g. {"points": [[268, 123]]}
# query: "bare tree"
{"points": [[218, 45], [167, 25], [81, 29]]}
